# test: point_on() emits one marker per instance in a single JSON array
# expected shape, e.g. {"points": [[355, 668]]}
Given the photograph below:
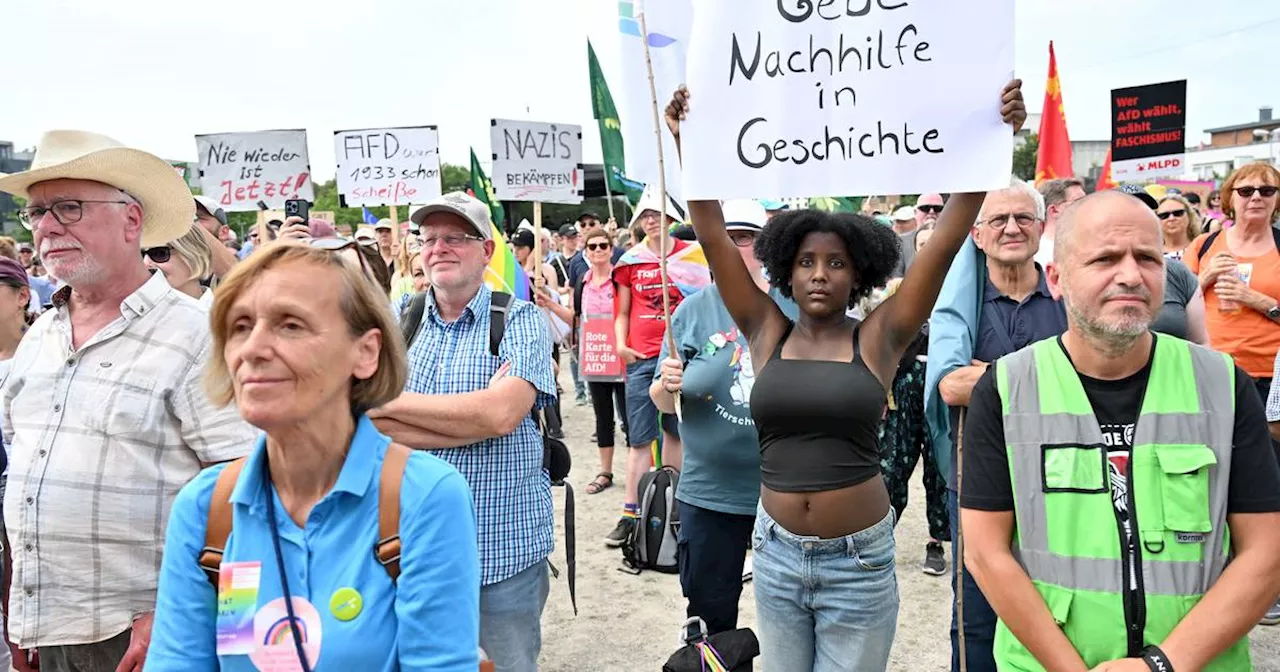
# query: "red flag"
{"points": [[1104, 180], [1054, 158]]}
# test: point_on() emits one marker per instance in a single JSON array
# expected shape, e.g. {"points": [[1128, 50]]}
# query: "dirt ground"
{"points": [[631, 623]]}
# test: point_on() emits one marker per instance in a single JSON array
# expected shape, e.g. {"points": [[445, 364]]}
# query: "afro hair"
{"points": [[873, 247]]}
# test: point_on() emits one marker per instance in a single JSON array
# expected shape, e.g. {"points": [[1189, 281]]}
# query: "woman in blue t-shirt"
{"points": [[720, 480]]}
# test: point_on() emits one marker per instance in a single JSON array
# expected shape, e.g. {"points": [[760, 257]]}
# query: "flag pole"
{"points": [[608, 194], [662, 200], [537, 246]]}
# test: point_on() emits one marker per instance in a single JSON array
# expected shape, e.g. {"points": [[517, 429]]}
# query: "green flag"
{"points": [[482, 188], [837, 203], [606, 114]]}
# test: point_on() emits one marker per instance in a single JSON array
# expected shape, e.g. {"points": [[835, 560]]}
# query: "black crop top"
{"points": [[818, 422]]}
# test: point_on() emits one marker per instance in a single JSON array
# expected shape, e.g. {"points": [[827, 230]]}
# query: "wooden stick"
{"points": [[263, 237], [662, 196], [607, 192], [537, 246]]}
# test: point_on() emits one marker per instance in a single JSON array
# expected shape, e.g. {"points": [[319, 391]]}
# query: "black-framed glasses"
{"points": [[742, 238], [158, 255], [1265, 191], [932, 209], [66, 211], [998, 222], [340, 244], [1181, 212], [598, 246], [452, 240]]}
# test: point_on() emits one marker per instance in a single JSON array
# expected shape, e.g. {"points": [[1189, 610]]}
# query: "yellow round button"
{"points": [[346, 604]]}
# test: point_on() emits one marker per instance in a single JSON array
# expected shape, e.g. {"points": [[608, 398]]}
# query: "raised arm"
{"points": [[894, 324], [751, 308]]}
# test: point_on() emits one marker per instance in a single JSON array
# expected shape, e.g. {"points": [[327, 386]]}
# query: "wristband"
{"points": [[1156, 660]]}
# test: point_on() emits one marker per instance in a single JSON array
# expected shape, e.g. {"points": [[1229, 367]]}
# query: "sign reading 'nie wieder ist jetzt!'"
{"points": [[535, 161], [388, 166], [240, 169], [795, 98]]}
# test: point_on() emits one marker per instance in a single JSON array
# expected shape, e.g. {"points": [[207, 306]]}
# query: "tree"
{"points": [[454, 178], [1024, 158]]}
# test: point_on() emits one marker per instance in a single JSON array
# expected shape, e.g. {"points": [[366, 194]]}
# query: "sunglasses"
{"points": [[598, 246], [1172, 213], [340, 244], [1247, 192], [931, 209], [158, 255]]}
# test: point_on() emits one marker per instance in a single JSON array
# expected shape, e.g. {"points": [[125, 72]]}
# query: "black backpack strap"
{"points": [[1208, 242], [499, 305], [411, 318]]}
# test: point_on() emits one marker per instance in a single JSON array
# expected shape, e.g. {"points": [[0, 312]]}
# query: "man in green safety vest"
{"points": [[1120, 495]]}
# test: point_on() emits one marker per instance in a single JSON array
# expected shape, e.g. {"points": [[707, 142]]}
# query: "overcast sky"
{"points": [[153, 73]]}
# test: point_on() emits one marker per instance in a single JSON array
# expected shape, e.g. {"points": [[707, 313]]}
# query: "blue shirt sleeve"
{"points": [[183, 637], [526, 344], [438, 592]]}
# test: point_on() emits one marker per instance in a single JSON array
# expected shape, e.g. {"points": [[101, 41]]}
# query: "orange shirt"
{"points": [[1247, 335]]}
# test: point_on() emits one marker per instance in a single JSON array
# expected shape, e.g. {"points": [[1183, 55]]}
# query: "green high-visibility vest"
{"points": [[1067, 538]]}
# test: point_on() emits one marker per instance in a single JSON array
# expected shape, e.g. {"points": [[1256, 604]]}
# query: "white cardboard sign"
{"points": [[535, 161], [388, 166], [847, 98], [240, 169]]}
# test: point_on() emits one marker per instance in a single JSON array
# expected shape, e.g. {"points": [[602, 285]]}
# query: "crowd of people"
{"points": [[320, 452]]}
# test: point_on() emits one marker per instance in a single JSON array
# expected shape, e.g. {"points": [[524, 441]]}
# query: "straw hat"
{"points": [[167, 206]]}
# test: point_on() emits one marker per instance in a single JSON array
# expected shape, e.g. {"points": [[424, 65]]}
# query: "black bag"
{"points": [[652, 543], [735, 649]]}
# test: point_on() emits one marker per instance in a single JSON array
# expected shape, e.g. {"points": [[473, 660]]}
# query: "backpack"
{"points": [[652, 542], [1208, 242], [555, 454], [386, 549]]}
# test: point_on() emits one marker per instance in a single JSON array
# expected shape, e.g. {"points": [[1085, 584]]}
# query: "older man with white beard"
{"points": [[104, 414]]}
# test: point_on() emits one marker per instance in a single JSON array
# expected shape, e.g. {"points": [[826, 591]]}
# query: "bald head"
{"points": [[1081, 218]]}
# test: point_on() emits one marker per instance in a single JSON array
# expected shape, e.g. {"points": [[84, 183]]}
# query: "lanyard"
{"points": [[284, 580]]}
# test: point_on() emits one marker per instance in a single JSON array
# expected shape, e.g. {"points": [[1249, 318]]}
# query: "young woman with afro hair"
{"points": [[826, 595]]}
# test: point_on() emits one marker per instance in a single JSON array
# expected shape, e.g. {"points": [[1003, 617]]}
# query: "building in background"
{"points": [[11, 162], [1230, 147]]}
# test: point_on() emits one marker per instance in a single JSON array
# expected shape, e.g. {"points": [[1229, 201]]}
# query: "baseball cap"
{"points": [[569, 231], [321, 229], [12, 272], [903, 214], [383, 223], [26, 247], [460, 204], [772, 205], [744, 215], [211, 206], [522, 238], [1138, 192], [366, 233]]}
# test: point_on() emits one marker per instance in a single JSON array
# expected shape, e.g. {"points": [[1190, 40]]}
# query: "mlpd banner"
{"points": [[1148, 131], [799, 99], [239, 170], [535, 161], [387, 166]]}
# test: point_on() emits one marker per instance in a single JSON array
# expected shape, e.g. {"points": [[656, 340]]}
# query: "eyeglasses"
{"points": [[452, 240], [742, 238], [934, 209], [998, 222], [159, 255], [1266, 192], [598, 246], [65, 212], [1172, 213], [340, 244]]}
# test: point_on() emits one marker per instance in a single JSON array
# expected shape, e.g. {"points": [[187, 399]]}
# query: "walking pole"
{"points": [[964, 661], [662, 196]]}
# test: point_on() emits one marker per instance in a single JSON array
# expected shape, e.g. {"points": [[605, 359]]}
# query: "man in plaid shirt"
{"points": [[103, 409], [474, 410]]}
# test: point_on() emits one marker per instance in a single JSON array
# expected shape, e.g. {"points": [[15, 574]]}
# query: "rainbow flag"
{"points": [[503, 273]]}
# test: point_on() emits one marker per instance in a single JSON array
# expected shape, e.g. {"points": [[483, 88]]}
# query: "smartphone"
{"points": [[296, 207]]}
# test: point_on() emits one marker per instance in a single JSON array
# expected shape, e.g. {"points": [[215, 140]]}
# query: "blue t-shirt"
{"points": [[428, 620], [721, 467]]}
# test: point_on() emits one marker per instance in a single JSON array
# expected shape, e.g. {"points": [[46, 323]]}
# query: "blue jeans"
{"points": [[825, 604], [511, 619], [979, 617], [712, 548], [642, 415]]}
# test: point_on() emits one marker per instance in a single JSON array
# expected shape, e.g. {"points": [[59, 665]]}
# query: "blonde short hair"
{"points": [[362, 304], [1193, 217], [195, 252]]}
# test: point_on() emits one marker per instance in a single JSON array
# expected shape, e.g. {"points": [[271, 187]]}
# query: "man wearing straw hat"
{"points": [[104, 414]]}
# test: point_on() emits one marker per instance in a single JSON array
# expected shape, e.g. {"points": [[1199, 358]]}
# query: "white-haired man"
{"points": [[104, 414], [1017, 309]]}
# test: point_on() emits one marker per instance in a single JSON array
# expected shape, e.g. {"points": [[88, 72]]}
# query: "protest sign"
{"points": [[326, 215], [1148, 131], [240, 169], [1201, 188], [535, 161], [847, 97], [598, 358], [387, 166]]}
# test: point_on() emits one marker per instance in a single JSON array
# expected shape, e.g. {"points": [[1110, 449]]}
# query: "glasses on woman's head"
{"points": [[1264, 191], [1180, 212], [742, 238], [598, 246], [340, 244], [158, 255]]}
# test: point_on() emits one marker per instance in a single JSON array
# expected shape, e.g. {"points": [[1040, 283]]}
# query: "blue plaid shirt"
{"points": [[511, 489]]}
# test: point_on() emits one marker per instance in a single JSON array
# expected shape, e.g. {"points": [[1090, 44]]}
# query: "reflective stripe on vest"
{"points": [[1181, 448]]}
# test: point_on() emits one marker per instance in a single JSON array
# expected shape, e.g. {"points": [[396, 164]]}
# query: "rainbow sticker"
{"points": [[274, 650]]}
